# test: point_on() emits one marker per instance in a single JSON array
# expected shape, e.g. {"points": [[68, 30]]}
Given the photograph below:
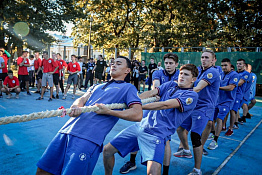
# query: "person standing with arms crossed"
{"points": [[23, 76], [49, 66], [73, 68]]}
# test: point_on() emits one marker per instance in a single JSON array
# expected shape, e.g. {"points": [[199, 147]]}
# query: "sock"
{"points": [[213, 132], [165, 170], [215, 138], [133, 158], [187, 151], [197, 170]]}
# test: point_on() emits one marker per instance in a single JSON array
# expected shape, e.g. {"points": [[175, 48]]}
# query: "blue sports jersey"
{"points": [[163, 123], [208, 95], [248, 85], [227, 98], [163, 76], [95, 127], [244, 75], [218, 68], [253, 86]]}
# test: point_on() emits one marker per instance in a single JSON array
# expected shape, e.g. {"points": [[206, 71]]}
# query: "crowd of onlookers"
{"points": [[43, 73]]}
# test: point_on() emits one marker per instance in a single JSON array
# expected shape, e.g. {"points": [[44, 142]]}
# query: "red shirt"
{"points": [[22, 69], [48, 65], [59, 67], [11, 82], [62, 64], [37, 63], [73, 67], [4, 70]]}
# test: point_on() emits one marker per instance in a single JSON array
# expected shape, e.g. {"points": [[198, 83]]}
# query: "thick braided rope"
{"points": [[54, 113]]}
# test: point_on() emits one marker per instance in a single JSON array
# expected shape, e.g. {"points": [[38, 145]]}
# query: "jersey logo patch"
{"points": [[49, 61], [209, 75], [82, 156], [189, 101], [74, 65], [235, 79], [13, 81], [246, 76]]}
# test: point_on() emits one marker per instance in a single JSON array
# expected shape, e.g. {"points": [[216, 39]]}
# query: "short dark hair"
{"points": [[232, 66], [10, 71], [190, 67], [24, 51], [172, 56], [31, 56], [59, 54], [128, 62], [45, 52], [73, 56], [226, 60], [241, 59]]}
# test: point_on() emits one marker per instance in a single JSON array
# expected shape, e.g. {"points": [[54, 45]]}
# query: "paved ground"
{"points": [[239, 154]]}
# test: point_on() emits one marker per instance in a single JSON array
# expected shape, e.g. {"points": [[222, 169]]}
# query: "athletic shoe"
{"points": [[39, 98], [57, 96], [17, 96], [194, 172], [73, 96], [50, 99], [235, 127], [53, 96], [28, 93], [179, 149], [127, 167], [242, 120], [64, 97], [229, 132], [9, 96], [182, 153], [212, 145], [224, 128], [1, 96], [248, 116], [211, 136], [37, 92], [205, 152]]}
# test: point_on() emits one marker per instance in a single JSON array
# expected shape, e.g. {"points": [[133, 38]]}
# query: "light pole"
{"points": [[89, 46]]}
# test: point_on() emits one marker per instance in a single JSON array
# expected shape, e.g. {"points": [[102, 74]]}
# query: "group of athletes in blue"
{"points": [[188, 99]]}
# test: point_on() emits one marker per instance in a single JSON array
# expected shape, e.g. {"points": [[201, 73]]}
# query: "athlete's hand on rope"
{"points": [[102, 109], [76, 111]]}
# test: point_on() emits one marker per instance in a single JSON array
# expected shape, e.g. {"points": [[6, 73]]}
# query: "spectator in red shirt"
{"points": [[3, 66], [49, 66], [23, 76], [61, 71], [73, 68], [56, 75], [38, 72], [11, 84]]}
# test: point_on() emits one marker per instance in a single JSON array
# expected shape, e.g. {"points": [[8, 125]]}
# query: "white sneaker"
{"points": [[213, 145], [194, 172], [211, 136], [9, 96], [64, 97]]}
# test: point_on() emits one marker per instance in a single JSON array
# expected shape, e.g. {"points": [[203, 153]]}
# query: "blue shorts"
{"points": [[197, 121], [67, 154], [236, 105], [221, 112], [244, 101], [134, 138]]}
